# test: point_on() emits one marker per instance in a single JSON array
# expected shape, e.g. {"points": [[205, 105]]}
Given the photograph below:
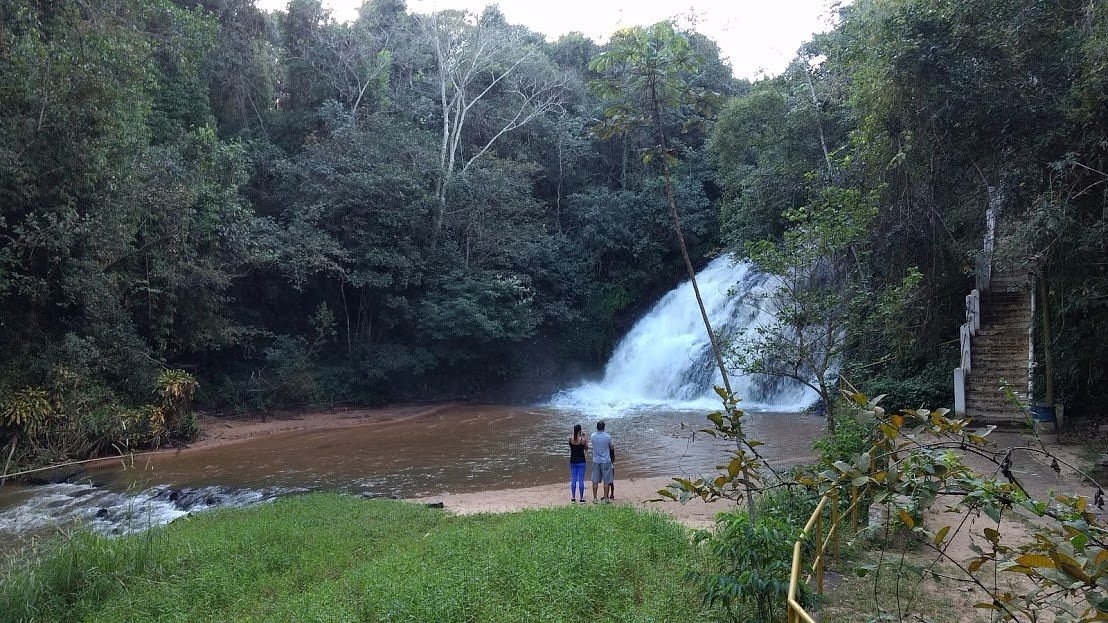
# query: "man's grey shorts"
{"points": [[603, 472]]}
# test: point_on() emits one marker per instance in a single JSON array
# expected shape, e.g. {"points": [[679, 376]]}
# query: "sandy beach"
{"points": [[637, 492]]}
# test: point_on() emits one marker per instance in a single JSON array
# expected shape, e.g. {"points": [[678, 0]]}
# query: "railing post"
{"points": [[819, 553], [959, 392], [854, 510], [973, 311], [964, 343], [835, 522]]}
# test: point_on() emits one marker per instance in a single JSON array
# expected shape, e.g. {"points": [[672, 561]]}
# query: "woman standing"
{"points": [[578, 444]]}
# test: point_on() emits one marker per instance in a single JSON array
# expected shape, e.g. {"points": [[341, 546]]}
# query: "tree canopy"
{"points": [[297, 210]]}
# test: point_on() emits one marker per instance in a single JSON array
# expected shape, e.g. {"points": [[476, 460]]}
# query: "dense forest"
{"points": [[299, 211]]}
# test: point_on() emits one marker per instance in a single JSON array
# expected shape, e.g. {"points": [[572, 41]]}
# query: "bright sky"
{"points": [[758, 37]]}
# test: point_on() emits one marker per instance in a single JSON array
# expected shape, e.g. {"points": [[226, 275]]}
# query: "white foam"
{"points": [[110, 512], [665, 360]]}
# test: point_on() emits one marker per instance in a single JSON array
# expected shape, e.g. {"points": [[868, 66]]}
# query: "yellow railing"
{"points": [[814, 528]]}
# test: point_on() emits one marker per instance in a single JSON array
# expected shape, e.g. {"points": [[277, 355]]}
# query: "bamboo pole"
{"points": [[794, 610], [99, 459], [819, 554], [854, 509], [794, 578]]}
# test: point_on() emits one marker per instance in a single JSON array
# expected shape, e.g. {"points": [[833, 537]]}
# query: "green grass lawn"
{"points": [[327, 557]]}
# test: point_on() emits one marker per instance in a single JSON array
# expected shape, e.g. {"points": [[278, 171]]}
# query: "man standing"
{"points": [[602, 450]]}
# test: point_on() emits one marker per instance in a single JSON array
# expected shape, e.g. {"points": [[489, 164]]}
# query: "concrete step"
{"points": [[1003, 330], [992, 406], [992, 394], [984, 377], [989, 389], [990, 400], [1005, 338], [1012, 341], [1003, 357], [983, 372], [1002, 352], [1007, 277], [1001, 420], [999, 357], [1005, 292], [1006, 311], [1008, 283], [993, 318], [995, 314], [1007, 302], [989, 381], [1007, 327]]}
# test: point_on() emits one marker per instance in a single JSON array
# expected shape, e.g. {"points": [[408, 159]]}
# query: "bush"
{"points": [[791, 505], [749, 564], [910, 384], [71, 418], [851, 437]]}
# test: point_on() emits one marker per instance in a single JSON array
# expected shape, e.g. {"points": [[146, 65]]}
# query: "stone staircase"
{"points": [[999, 354]]}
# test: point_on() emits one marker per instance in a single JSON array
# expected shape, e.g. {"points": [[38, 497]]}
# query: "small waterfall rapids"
{"points": [[665, 360]]}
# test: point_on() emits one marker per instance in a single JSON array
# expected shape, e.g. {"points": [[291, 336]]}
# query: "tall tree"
{"points": [[474, 61], [648, 72]]}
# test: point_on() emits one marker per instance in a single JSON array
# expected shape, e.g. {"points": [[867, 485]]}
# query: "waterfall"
{"points": [[666, 360]]}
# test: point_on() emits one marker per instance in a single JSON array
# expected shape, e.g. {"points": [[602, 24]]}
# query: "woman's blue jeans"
{"points": [[576, 479]]}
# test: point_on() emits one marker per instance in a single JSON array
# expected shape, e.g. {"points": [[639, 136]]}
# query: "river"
{"points": [[458, 449]]}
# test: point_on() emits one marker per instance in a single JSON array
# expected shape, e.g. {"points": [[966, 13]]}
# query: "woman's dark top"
{"points": [[576, 453]]}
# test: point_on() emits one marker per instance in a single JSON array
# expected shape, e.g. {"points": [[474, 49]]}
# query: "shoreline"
{"points": [[641, 493], [638, 491], [218, 431]]}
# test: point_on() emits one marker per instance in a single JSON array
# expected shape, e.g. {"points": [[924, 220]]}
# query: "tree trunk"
{"points": [[558, 190], [717, 352], [1048, 358], [819, 122], [829, 413]]}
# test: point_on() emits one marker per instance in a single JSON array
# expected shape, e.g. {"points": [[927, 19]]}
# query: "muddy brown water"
{"points": [[459, 449]]}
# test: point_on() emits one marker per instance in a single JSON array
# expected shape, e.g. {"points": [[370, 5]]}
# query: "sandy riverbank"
{"points": [[221, 431], [637, 492]]}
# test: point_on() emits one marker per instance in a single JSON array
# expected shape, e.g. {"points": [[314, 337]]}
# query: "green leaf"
{"points": [[863, 461]]}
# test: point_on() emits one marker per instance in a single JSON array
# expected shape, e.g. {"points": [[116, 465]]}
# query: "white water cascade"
{"points": [[666, 358]]}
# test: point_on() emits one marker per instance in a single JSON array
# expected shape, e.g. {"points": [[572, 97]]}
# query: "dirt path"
{"points": [[954, 599]]}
